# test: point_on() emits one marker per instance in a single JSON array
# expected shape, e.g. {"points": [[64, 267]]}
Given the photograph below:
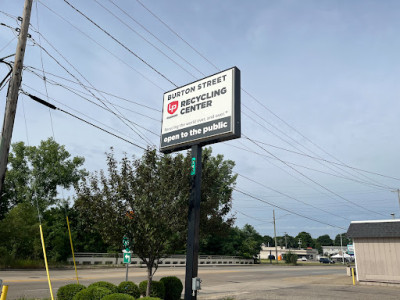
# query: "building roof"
{"points": [[374, 229]]}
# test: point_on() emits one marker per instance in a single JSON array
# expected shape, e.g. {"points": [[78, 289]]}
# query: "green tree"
{"points": [[306, 239], [251, 242], [345, 239], [325, 240], [19, 233], [146, 198], [267, 240], [34, 174], [291, 242]]}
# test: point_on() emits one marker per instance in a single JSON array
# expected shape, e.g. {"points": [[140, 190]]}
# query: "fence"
{"points": [[82, 258]]}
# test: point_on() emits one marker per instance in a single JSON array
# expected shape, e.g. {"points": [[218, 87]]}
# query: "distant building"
{"points": [[332, 250], [310, 254], [376, 250]]}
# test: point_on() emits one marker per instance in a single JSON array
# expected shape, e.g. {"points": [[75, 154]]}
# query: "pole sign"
{"points": [[350, 249], [203, 112], [127, 257]]}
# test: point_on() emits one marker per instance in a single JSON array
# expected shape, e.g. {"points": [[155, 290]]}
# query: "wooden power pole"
{"points": [[12, 93], [276, 246]]}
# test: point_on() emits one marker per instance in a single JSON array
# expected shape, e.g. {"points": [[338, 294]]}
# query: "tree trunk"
{"points": [[149, 277]]}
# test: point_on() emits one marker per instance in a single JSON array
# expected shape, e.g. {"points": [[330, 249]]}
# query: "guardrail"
{"points": [[83, 258]]}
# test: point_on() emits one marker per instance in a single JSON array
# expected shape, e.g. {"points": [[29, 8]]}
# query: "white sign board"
{"points": [[203, 112]]}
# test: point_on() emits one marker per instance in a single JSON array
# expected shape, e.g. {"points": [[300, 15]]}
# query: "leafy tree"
{"points": [[325, 240], [291, 242], [251, 242], [306, 239], [146, 198], [19, 232], [267, 240], [345, 239], [34, 173]]}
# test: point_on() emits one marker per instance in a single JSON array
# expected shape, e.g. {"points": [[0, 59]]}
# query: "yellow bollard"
{"points": [[72, 249], [352, 274], [45, 261], [4, 292]]}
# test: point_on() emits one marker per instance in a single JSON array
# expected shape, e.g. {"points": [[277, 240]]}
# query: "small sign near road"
{"points": [[127, 258]]}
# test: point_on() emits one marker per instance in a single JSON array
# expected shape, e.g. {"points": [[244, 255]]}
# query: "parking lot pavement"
{"points": [[332, 286]]}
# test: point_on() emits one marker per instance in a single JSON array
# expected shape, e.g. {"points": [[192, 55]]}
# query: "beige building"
{"points": [[309, 254], [376, 250]]}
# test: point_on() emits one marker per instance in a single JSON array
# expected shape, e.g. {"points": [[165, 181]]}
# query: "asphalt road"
{"points": [[241, 282]]}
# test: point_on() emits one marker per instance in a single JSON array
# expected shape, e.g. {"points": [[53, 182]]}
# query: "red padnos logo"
{"points": [[172, 107]]}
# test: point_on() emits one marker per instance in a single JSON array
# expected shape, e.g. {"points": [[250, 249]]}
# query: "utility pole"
{"points": [[276, 249], [341, 247], [12, 93], [398, 194], [285, 240]]}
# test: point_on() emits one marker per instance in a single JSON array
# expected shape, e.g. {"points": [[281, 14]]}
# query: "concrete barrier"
{"points": [[82, 258]]}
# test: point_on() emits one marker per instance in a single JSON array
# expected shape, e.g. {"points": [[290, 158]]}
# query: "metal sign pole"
{"points": [[192, 247]]}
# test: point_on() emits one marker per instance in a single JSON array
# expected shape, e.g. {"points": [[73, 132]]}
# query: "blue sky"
{"points": [[328, 69]]}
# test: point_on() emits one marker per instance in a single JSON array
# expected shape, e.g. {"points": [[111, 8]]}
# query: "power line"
{"points": [[41, 62], [51, 56], [51, 106], [76, 111], [318, 161], [320, 185], [101, 46], [293, 198], [146, 40], [246, 92], [159, 40], [312, 169], [120, 43], [174, 32], [92, 88], [12, 40], [287, 210], [328, 161]]}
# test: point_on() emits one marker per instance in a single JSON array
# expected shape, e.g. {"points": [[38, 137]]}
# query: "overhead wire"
{"points": [[120, 43], [42, 64], [8, 44], [319, 161], [76, 111], [78, 93], [245, 91], [315, 182], [45, 103], [312, 169], [301, 181], [177, 35], [293, 198], [146, 40], [287, 210], [154, 36], [100, 45], [328, 161], [76, 78], [30, 68]]}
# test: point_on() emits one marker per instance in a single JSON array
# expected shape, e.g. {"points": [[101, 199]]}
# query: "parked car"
{"points": [[325, 260], [302, 258]]}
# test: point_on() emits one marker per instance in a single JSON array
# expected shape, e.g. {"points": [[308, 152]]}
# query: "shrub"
{"points": [[291, 258], [104, 284], [130, 288], [157, 289], [150, 298], [173, 287], [118, 296], [67, 292], [92, 293]]}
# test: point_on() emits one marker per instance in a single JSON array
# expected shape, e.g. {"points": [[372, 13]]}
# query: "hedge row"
{"points": [[168, 288]]}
